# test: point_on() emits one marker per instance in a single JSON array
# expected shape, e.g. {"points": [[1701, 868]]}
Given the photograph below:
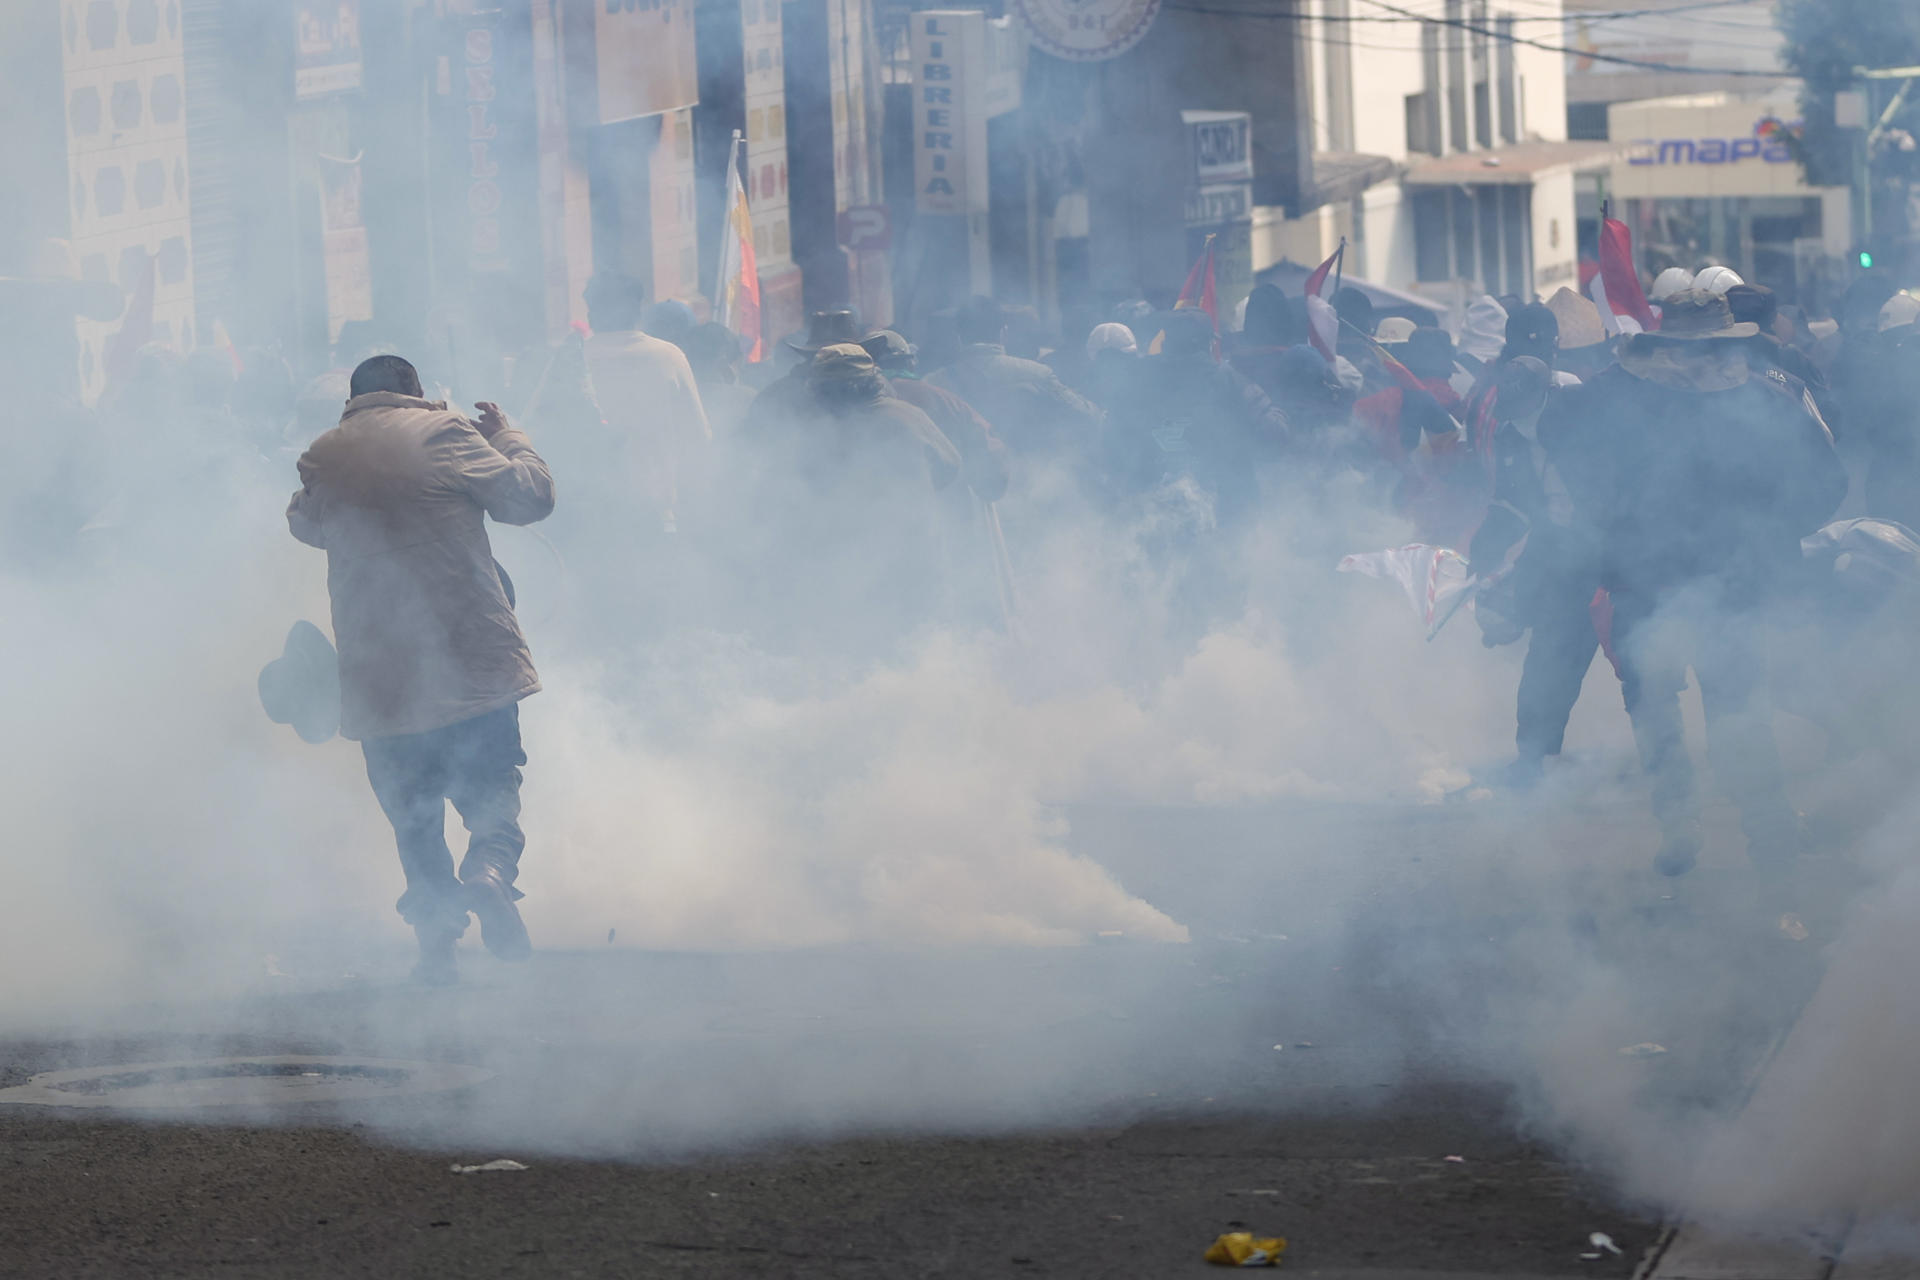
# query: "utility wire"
{"points": [[1489, 33], [1542, 45]]}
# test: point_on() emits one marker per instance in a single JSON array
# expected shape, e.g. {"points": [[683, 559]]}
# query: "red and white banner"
{"points": [[1615, 288], [1323, 323]]}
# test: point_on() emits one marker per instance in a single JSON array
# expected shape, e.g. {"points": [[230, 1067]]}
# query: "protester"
{"points": [[983, 458], [856, 544], [713, 354], [1113, 359], [432, 661], [1755, 304], [655, 442], [1030, 409], [1584, 347], [1542, 568], [775, 408], [1395, 419], [1699, 478], [1481, 341], [1191, 416]]}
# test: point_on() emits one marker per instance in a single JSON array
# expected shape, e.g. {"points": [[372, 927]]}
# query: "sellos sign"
{"points": [[1085, 30]]}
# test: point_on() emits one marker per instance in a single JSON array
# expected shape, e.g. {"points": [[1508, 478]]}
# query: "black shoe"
{"points": [[501, 928], [436, 967], [1680, 850]]}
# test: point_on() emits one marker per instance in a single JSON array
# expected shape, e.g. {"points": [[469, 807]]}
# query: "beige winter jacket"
{"points": [[397, 496], [657, 437]]}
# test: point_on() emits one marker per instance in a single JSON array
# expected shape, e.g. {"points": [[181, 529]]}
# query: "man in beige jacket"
{"points": [[432, 661]]}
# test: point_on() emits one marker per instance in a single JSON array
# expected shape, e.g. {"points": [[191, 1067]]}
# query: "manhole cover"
{"points": [[225, 1082]]}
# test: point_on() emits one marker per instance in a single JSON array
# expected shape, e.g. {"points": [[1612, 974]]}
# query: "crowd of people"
{"points": [[1668, 498]]}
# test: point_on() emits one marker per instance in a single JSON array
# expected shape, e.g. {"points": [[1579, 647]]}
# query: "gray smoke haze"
{"points": [[918, 822]]}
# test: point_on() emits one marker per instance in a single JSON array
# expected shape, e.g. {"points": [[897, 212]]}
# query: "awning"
{"points": [[1522, 164], [1342, 175], [1291, 279]]}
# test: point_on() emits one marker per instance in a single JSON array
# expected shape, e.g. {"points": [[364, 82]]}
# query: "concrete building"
{"points": [[1475, 192], [1703, 178]]}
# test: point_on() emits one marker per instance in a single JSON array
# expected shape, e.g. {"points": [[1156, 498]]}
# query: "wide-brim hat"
{"points": [[1698, 315], [301, 687], [1579, 319], [841, 362], [828, 328], [884, 345]]}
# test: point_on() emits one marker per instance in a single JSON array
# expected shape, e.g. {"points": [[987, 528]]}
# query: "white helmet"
{"points": [[1900, 309], [1717, 279], [1672, 280], [1393, 330]]}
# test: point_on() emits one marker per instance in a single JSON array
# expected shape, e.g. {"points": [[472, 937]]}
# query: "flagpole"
{"points": [[1339, 264], [720, 308]]}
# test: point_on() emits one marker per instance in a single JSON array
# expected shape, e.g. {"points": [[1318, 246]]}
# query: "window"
{"points": [[756, 124], [1517, 229], [1460, 212], [1457, 134], [1339, 66], [1503, 71], [1420, 123], [1431, 257], [1426, 114], [1482, 76]]}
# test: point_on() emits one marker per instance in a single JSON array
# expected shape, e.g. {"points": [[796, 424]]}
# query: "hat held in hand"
{"points": [[301, 687]]}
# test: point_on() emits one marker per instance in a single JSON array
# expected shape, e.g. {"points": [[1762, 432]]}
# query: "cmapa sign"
{"points": [[1682, 151]]}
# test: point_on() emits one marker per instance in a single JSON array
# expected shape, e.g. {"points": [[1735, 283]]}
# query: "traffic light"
{"points": [[1865, 257]]}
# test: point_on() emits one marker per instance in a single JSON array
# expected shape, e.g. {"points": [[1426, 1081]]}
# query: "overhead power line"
{"points": [[1613, 59]]}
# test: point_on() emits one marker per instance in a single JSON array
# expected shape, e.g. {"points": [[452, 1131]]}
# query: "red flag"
{"points": [[1323, 323], [1198, 290], [1616, 286]]}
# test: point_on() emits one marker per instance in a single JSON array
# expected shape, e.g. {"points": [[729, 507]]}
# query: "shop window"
{"points": [[1517, 230], [1432, 260], [1504, 73], [1420, 124], [1460, 212]]}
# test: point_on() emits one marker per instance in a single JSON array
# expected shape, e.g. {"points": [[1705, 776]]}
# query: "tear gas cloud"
{"points": [[703, 784]]}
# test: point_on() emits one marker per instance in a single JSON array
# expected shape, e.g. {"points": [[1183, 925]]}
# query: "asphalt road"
{"points": [[1363, 998]]}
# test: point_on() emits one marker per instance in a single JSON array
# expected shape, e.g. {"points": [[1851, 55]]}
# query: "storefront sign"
{"points": [[644, 58], [326, 51], [949, 111], [346, 264], [484, 250], [866, 227], [1086, 30], [1708, 151], [1220, 186]]}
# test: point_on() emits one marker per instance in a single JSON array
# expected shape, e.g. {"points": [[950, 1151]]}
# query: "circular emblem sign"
{"points": [[1086, 30]]}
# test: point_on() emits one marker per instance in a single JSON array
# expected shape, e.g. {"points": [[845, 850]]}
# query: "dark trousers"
{"points": [[476, 764], [1691, 627], [1558, 655]]}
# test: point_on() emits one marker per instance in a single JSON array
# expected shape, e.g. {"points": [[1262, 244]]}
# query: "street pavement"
{"points": [[1347, 1053]]}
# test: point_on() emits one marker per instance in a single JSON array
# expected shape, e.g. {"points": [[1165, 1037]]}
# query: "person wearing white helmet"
{"points": [[1900, 310], [1717, 279], [1393, 330], [1670, 281]]}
